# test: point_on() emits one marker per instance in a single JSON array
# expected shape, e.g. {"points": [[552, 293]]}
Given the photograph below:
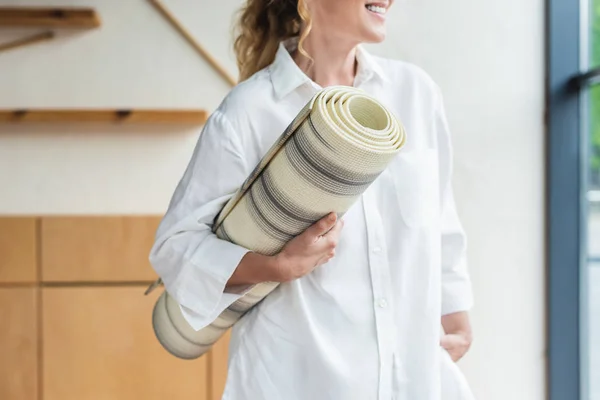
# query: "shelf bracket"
{"points": [[27, 40], [190, 39]]}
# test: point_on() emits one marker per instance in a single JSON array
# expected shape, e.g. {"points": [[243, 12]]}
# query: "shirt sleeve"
{"points": [[456, 283], [192, 261]]}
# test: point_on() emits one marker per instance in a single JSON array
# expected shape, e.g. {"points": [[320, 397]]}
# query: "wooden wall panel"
{"points": [[99, 344], [18, 344], [218, 366], [18, 249], [97, 248]]}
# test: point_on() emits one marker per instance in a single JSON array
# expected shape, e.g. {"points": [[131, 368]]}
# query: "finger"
{"points": [[322, 226], [446, 342], [325, 259], [335, 232], [330, 239]]}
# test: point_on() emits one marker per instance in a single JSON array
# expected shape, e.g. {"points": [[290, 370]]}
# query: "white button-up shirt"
{"points": [[365, 325]]}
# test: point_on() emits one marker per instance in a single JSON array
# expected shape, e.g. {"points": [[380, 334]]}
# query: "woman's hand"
{"points": [[458, 337], [315, 246], [456, 344]]}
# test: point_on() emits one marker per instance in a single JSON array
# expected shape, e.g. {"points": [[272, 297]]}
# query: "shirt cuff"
{"points": [[206, 297], [197, 321], [456, 297]]}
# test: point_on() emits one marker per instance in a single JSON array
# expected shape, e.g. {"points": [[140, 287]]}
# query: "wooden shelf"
{"points": [[118, 116], [62, 17]]}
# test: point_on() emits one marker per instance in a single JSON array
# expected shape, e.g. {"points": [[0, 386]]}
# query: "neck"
{"points": [[332, 63]]}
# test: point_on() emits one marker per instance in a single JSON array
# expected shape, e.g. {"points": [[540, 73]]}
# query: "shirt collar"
{"points": [[286, 76], [368, 67]]}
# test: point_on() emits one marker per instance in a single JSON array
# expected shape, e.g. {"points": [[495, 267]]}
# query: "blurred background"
{"points": [[82, 191]]}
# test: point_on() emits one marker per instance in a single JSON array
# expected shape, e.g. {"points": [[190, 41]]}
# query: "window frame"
{"points": [[566, 208]]}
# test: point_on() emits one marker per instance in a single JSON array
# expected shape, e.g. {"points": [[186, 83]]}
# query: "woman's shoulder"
{"points": [[245, 99], [253, 91], [232, 119]]}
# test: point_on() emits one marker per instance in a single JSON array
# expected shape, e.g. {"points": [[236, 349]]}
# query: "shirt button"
{"points": [[376, 249], [382, 303]]}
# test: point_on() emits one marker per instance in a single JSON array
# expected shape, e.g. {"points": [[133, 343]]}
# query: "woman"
{"points": [[361, 300]]}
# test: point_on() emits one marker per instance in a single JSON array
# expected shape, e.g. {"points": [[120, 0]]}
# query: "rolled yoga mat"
{"points": [[333, 150]]}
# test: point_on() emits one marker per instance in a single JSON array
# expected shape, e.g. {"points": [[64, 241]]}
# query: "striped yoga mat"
{"points": [[337, 145]]}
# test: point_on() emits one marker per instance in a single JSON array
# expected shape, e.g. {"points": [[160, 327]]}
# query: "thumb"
{"points": [[322, 226]]}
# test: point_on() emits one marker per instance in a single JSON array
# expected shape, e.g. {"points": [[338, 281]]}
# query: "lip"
{"points": [[385, 5], [377, 15]]}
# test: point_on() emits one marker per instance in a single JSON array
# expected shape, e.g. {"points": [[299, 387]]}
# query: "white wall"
{"points": [[136, 59], [487, 57]]}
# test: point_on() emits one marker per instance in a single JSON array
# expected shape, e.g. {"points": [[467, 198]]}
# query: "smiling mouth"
{"points": [[376, 9]]}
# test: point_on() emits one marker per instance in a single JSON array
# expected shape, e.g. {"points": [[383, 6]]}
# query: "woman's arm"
{"points": [[456, 282], [192, 261], [457, 297], [202, 272]]}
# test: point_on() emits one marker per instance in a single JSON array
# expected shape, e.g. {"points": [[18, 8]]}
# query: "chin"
{"points": [[374, 37]]}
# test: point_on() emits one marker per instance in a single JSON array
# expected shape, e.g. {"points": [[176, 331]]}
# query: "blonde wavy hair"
{"points": [[262, 25]]}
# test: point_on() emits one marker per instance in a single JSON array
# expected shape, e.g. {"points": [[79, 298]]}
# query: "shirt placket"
{"points": [[381, 287]]}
